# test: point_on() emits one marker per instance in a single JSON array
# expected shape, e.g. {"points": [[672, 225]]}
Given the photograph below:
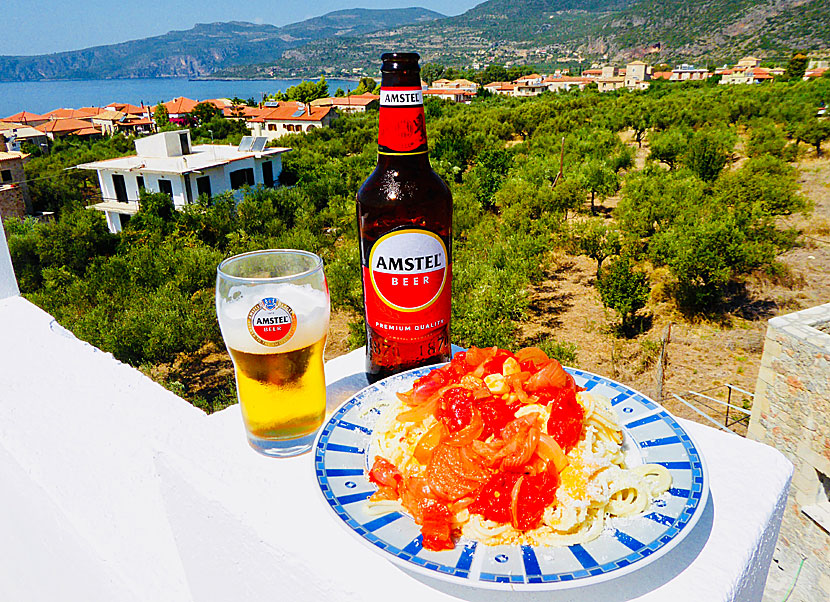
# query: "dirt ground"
{"points": [[702, 355]]}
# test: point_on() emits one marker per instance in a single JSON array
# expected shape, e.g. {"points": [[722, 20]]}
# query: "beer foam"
{"points": [[310, 307]]}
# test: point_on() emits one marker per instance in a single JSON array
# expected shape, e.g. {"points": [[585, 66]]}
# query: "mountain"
{"points": [[205, 48], [572, 31]]}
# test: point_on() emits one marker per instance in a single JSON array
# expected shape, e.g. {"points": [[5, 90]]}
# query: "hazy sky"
{"points": [[44, 26]]}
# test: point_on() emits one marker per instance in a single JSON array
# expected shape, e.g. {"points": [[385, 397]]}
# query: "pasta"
{"points": [[551, 471]]}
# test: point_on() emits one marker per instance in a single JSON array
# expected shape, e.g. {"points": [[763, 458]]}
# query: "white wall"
{"points": [[8, 282]]}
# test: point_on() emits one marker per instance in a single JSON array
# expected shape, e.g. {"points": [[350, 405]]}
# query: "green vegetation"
{"points": [[519, 192]]}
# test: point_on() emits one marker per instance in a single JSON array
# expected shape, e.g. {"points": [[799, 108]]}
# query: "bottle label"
{"points": [[271, 322], [407, 284], [402, 123]]}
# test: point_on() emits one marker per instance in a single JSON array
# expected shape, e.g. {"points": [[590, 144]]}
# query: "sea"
{"points": [[42, 96]]}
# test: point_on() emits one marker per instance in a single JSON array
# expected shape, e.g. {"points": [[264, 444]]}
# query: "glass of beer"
{"points": [[273, 309]]}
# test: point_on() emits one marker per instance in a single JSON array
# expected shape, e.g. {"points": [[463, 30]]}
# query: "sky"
{"points": [[46, 26]]}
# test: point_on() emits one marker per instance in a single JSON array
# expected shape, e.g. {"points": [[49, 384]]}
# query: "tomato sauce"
{"points": [[479, 455]]}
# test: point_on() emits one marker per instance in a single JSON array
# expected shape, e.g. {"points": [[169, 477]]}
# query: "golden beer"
{"points": [[283, 395], [273, 310]]}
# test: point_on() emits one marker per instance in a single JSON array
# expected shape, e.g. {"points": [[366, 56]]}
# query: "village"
{"points": [[167, 164]]}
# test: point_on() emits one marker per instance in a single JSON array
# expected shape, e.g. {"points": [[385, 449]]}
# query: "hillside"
{"points": [[205, 48], [571, 31]]}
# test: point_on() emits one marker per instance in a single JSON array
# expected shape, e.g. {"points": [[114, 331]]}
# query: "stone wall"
{"points": [[791, 412], [12, 202]]}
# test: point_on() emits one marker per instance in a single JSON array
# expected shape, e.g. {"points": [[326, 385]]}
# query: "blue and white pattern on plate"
{"points": [[341, 466]]}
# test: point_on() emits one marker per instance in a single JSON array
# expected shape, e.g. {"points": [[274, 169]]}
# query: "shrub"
{"points": [[624, 289]]}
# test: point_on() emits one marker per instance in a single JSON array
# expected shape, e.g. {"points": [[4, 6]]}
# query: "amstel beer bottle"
{"points": [[404, 214]]}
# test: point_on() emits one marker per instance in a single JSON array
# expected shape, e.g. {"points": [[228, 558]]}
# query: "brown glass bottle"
{"points": [[404, 217]]}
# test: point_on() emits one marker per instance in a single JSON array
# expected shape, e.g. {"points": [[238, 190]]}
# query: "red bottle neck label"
{"points": [[406, 282], [402, 123]]}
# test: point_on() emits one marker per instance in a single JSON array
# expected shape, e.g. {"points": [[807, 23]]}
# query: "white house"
{"points": [[288, 117], [167, 162]]}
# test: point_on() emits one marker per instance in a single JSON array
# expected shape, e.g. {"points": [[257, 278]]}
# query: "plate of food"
{"points": [[507, 471]]}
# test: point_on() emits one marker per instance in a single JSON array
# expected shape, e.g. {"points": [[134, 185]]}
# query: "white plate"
{"points": [[651, 433]]}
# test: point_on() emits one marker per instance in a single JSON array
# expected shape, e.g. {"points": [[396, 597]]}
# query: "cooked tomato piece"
{"points": [[451, 475], [536, 493], [436, 527], [385, 474], [495, 413], [427, 385], [455, 409], [493, 499], [566, 419], [498, 498], [494, 365], [476, 356]]}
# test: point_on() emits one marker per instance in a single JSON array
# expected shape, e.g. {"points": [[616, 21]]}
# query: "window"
{"points": [[272, 127], [120, 188], [242, 177], [268, 174], [203, 186], [140, 182], [166, 186], [185, 143], [6, 175]]}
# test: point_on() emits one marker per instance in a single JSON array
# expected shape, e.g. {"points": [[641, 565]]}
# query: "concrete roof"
{"points": [[204, 156]]}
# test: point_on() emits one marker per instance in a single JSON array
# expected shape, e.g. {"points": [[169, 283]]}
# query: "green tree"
{"points": [[161, 116], [815, 131], [491, 167], [638, 118], [709, 150], [305, 91], [492, 73], [596, 239], [796, 67], [366, 84], [430, 72], [599, 179], [204, 112], [668, 146], [624, 289], [339, 93]]}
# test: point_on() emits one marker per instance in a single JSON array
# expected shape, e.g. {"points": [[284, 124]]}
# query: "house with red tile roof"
{"points": [[565, 82], [26, 118], [59, 128], [454, 84], [357, 103], [504, 88], [746, 76], [289, 117], [179, 108], [129, 109], [452, 94], [814, 73]]}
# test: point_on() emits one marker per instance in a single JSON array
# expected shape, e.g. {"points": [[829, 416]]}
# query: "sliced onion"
{"points": [[428, 442], [532, 354], [550, 450], [552, 375], [419, 413], [514, 501], [469, 432]]}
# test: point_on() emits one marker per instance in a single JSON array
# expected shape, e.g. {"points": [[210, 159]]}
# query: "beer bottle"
{"points": [[404, 216]]}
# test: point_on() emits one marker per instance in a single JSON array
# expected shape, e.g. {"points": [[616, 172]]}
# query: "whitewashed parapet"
{"points": [[8, 283], [791, 412]]}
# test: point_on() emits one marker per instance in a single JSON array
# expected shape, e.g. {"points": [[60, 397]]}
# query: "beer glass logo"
{"points": [[271, 322], [408, 269]]}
